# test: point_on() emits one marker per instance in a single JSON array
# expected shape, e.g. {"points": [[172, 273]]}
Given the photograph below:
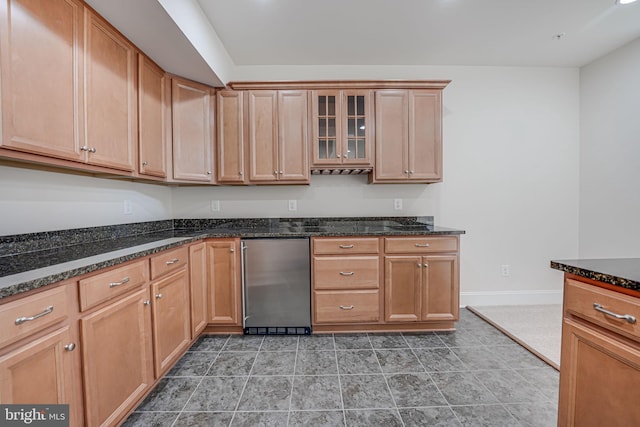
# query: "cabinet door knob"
{"points": [[232, 250], [240, 173], [208, 172], [425, 265], [145, 163], [410, 171], [158, 296], [147, 302], [84, 148], [339, 155], [92, 149], [70, 346], [419, 265], [406, 171]]}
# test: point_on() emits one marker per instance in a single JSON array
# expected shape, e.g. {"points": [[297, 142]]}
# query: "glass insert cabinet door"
{"points": [[340, 134]]}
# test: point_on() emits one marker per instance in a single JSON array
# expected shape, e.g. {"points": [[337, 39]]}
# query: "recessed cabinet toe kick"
{"points": [[276, 286]]}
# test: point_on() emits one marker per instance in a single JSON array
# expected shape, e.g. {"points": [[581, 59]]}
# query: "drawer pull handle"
{"points": [[629, 318], [346, 246], [422, 245], [172, 261], [21, 320], [347, 273], [120, 283], [346, 307]]}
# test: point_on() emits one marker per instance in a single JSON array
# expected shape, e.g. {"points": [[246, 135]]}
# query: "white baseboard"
{"points": [[510, 298]]}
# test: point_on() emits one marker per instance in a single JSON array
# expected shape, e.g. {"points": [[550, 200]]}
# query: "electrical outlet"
{"points": [[397, 204], [215, 206], [293, 205], [127, 207], [505, 270]]}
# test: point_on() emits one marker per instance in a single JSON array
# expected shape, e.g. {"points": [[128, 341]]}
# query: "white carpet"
{"points": [[536, 327]]}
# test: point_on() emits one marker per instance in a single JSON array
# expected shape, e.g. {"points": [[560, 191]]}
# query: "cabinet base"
{"points": [[396, 327]]}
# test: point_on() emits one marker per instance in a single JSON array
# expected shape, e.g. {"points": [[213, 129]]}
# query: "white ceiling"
{"points": [[373, 32]]}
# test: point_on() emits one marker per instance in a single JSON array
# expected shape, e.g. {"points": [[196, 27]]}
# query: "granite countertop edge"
{"points": [[33, 279], [591, 272]]}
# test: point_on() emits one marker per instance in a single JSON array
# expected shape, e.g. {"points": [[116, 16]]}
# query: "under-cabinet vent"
{"points": [[341, 171]]}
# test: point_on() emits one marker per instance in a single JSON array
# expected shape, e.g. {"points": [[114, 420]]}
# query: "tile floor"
{"points": [[475, 376]]}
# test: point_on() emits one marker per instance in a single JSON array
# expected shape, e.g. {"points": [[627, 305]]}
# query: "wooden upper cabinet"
{"points": [[341, 128], [231, 137], [41, 47], [408, 136], [293, 136], [152, 118], [278, 136], [111, 117], [192, 120]]}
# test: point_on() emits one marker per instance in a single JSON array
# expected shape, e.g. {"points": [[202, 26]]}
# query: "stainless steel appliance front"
{"points": [[276, 286]]}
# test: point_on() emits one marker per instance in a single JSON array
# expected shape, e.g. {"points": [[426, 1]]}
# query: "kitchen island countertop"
{"points": [[621, 272], [31, 261]]}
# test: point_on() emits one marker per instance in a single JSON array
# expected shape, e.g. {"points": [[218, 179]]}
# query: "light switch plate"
{"points": [[215, 206], [293, 205]]}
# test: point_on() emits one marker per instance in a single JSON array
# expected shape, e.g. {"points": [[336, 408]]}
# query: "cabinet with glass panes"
{"points": [[342, 128]]}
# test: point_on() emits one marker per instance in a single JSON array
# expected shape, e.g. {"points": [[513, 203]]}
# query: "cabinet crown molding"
{"points": [[340, 84]]}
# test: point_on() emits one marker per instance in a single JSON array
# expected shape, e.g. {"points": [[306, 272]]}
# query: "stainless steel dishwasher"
{"points": [[276, 286]]}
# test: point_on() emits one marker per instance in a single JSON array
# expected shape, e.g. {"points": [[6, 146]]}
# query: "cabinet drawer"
{"points": [[351, 272], [26, 316], [168, 261], [404, 245], [346, 245], [104, 286], [346, 306], [580, 299]]}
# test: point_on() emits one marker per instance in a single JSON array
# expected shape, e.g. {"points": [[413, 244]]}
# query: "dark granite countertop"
{"points": [[30, 261], [623, 272]]}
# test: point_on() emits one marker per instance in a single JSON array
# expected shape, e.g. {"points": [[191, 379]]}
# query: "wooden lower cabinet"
{"points": [[599, 379], [198, 286], [403, 288], [223, 273], [117, 358], [600, 355], [421, 288], [171, 319], [43, 371]]}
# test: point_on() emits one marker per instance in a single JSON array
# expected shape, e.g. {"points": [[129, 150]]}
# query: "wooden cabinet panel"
{"points": [[168, 261], [171, 319], [581, 297], [346, 306], [230, 142], [425, 135], [109, 284], [440, 299], [392, 139], [293, 136], [198, 286], [599, 378], [42, 372], [408, 136], [346, 245], [403, 288], [26, 316], [152, 123], [420, 244], [110, 92], [192, 121], [223, 261], [278, 136], [117, 358], [42, 115], [348, 272], [263, 136]]}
